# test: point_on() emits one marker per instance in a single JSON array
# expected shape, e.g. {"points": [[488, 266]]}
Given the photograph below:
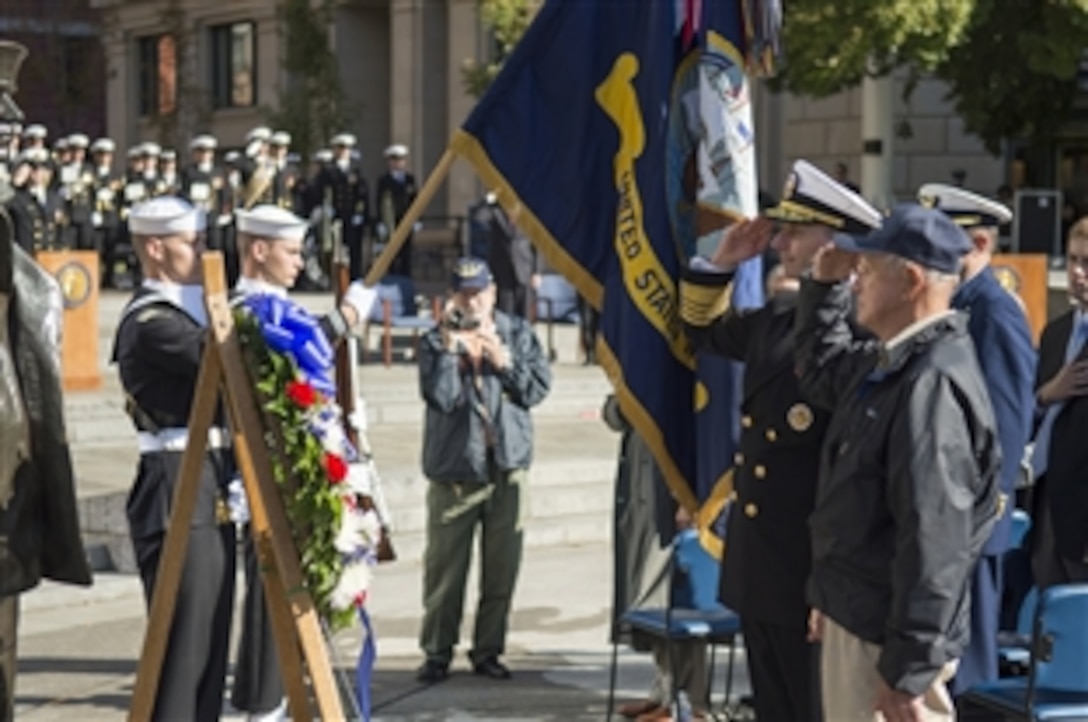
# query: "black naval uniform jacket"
{"points": [[158, 350], [37, 224], [767, 548], [908, 489], [205, 189], [397, 195], [348, 190]]}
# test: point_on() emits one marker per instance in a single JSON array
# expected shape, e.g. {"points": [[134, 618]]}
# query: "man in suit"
{"points": [[511, 255], [396, 191], [341, 182], [1060, 457], [768, 550], [1006, 354]]}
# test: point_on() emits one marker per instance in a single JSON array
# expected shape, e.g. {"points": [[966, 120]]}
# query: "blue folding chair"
{"points": [[1056, 686], [692, 612], [396, 309]]}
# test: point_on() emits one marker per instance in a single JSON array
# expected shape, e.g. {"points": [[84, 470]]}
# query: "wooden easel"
{"points": [[295, 623]]}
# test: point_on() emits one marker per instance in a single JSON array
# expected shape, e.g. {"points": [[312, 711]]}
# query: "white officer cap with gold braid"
{"points": [[343, 139], [280, 138], [396, 151], [203, 142], [78, 140], [271, 222], [34, 130], [103, 145], [967, 209], [812, 196], [261, 133], [165, 216]]}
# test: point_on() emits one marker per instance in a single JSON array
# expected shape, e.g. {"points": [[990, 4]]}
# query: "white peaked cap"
{"points": [[343, 139], [812, 196], [150, 148], [203, 142], [165, 216], [103, 145], [259, 133], [280, 137], [272, 222], [34, 155], [396, 151], [78, 140], [967, 209], [34, 130]]}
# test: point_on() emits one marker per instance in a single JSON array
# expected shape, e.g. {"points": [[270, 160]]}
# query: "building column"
{"points": [[405, 68], [122, 97], [463, 32], [878, 136]]}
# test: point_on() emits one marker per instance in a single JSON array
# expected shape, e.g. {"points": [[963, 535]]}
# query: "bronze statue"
{"points": [[39, 527]]}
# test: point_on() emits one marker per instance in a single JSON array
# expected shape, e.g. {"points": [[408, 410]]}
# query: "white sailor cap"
{"points": [[35, 130], [323, 156], [78, 140], [344, 139], [271, 222], [203, 142], [165, 216], [967, 209], [396, 151], [103, 145], [150, 148], [812, 196], [35, 156], [280, 137], [259, 133]]}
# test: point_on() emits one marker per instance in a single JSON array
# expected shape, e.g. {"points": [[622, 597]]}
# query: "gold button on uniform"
{"points": [[746, 421], [738, 459], [751, 510], [760, 472], [772, 435]]}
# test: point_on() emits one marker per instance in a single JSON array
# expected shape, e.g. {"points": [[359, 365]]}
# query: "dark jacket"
{"points": [[347, 191], [455, 428], [37, 225], [768, 552], [908, 488], [1006, 354], [39, 527], [1064, 486]]}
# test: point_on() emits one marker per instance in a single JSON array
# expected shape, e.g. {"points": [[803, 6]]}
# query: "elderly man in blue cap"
{"points": [[480, 371], [908, 489]]}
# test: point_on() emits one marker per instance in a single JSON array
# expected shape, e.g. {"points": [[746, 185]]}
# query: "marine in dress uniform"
{"points": [[158, 348], [37, 211], [341, 182], [77, 191], [106, 218], [204, 184], [270, 239], [396, 191], [999, 328], [768, 551]]}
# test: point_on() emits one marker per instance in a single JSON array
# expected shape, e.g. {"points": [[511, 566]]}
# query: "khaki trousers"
{"points": [[9, 619], [850, 681]]}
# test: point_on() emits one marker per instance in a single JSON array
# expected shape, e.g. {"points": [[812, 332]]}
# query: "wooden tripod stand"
{"points": [[295, 623]]}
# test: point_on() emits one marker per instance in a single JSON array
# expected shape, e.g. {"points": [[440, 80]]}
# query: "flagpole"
{"points": [[404, 228]]}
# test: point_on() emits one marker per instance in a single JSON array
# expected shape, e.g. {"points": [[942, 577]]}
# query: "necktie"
{"points": [[1041, 453]]}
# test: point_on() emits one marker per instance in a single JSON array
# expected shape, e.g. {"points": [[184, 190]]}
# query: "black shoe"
{"points": [[491, 667], [431, 672]]}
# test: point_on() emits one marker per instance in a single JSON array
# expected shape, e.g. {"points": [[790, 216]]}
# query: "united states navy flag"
{"points": [[618, 135]]}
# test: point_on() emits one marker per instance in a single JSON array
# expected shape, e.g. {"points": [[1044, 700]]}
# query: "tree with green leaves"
{"points": [[507, 20], [1015, 72], [313, 105]]}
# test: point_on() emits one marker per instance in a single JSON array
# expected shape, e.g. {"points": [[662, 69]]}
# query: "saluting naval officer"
{"points": [[158, 349], [270, 240], [768, 550], [999, 328]]}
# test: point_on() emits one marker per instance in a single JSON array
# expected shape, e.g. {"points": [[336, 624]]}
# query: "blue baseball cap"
{"points": [[470, 273], [923, 235]]}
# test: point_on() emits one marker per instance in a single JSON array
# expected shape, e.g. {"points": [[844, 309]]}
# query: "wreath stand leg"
{"points": [[295, 622]]}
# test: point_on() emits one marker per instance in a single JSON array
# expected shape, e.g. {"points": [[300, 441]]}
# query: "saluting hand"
{"points": [[831, 264], [1070, 381], [743, 240]]}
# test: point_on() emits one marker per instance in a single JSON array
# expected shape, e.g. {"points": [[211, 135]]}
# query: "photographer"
{"points": [[480, 371]]}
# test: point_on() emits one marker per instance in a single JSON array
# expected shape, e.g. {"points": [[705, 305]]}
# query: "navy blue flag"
{"points": [[618, 135]]}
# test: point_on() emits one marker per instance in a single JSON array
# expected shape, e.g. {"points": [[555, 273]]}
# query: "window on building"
{"points": [[233, 65], [158, 74]]}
